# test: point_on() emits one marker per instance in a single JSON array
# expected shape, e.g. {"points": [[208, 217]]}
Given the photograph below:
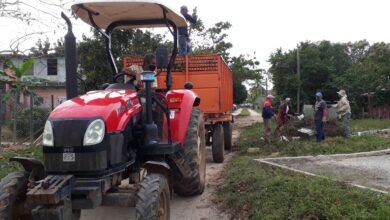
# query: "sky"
{"points": [[259, 26]]}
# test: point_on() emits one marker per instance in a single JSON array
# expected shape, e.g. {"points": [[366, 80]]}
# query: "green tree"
{"points": [[14, 79], [327, 67], [320, 63], [92, 56], [240, 93], [213, 39], [41, 48]]}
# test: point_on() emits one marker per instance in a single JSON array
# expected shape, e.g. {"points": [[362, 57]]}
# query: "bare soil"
{"points": [[202, 207]]}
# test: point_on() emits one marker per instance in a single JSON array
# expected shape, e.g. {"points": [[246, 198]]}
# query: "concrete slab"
{"points": [[366, 170]]}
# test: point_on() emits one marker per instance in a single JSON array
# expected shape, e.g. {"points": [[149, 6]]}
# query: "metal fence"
{"points": [[22, 119]]}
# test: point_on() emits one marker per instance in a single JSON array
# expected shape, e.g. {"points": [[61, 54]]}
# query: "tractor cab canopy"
{"points": [[106, 13], [124, 14]]}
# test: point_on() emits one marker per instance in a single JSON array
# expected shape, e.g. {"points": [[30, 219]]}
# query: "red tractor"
{"points": [[94, 142]]}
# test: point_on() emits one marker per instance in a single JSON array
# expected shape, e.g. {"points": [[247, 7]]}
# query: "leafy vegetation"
{"points": [[244, 113], [252, 138], [369, 124], [251, 191], [39, 116], [14, 79], [254, 191], [359, 68], [7, 167]]}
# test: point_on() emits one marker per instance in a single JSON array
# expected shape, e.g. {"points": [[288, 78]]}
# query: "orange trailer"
{"points": [[212, 80]]}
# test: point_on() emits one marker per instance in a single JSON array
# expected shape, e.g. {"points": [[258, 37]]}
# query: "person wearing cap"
{"points": [[267, 115], [344, 111], [283, 115], [320, 116]]}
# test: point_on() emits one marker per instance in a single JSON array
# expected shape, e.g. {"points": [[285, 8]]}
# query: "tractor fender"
{"points": [[30, 164], [160, 168], [180, 103]]}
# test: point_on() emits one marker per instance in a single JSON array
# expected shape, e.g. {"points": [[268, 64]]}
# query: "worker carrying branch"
{"points": [[284, 113]]}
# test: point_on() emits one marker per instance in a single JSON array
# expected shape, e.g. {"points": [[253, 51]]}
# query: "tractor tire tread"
{"points": [[218, 145], [194, 183], [147, 197], [11, 187]]}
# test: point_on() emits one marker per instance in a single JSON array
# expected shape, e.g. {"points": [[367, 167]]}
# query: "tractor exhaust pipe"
{"points": [[70, 60]]}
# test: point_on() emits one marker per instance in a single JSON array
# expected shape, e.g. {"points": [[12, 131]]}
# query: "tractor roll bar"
{"points": [[107, 34]]}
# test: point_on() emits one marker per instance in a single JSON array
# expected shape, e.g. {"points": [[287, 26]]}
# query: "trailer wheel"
{"points": [[194, 155], [13, 190], [218, 144], [227, 131], [152, 199]]}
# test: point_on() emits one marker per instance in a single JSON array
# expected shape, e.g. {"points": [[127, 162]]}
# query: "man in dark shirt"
{"points": [[184, 38], [267, 116], [321, 115]]}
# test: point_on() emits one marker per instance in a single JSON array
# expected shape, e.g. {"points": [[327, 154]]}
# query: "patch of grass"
{"points": [[7, 167], [258, 110], [252, 137], [368, 124], [244, 113], [251, 191]]}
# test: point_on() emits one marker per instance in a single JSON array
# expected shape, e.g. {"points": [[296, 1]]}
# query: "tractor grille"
{"points": [[69, 132]]}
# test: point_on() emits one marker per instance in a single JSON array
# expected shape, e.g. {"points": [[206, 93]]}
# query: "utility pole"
{"points": [[299, 79]]}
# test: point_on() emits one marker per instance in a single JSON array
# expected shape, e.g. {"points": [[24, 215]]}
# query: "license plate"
{"points": [[172, 114], [68, 157]]}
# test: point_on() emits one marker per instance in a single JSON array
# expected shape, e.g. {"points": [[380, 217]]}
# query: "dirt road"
{"points": [[188, 208]]}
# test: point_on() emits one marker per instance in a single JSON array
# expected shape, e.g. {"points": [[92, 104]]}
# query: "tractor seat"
{"points": [[120, 86]]}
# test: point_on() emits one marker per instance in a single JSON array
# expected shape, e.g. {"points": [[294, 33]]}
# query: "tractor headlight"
{"points": [[48, 138], [94, 133]]}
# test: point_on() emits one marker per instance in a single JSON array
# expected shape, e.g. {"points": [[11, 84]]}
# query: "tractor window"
{"points": [[51, 67]]}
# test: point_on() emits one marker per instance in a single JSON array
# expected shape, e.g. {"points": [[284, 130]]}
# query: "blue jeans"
{"points": [[320, 130], [182, 45]]}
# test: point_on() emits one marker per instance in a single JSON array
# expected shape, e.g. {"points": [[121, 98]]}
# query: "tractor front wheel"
{"points": [[152, 199], [218, 145], [193, 157], [13, 189]]}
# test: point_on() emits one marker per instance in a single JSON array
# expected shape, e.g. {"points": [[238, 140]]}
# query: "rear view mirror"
{"points": [[162, 58]]}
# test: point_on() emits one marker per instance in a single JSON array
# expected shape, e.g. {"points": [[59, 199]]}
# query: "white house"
{"points": [[50, 68], [47, 95]]}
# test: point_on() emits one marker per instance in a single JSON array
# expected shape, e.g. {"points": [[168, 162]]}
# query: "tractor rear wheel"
{"points": [[218, 144], [227, 132], [13, 189], [152, 199], [194, 157]]}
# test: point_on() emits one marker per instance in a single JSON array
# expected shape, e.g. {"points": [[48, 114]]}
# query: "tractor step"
{"points": [[87, 194], [121, 198], [160, 148]]}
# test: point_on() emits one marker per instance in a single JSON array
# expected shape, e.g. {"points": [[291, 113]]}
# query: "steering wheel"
{"points": [[123, 73], [131, 81]]}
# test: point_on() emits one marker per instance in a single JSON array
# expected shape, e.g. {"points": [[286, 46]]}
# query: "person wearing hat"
{"points": [[267, 115], [283, 115], [344, 111], [320, 116]]}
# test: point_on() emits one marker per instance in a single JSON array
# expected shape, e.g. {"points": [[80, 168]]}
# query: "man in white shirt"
{"points": [[344, 111]]}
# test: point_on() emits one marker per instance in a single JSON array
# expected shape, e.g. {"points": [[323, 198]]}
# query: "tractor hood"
{"points": [[115, 107]]}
